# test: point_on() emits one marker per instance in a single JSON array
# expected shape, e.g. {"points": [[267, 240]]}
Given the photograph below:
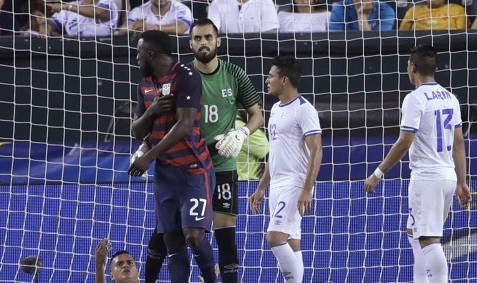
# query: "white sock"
{"points": [[419, 271], [300, 271], [436, 262], [288, 263]]}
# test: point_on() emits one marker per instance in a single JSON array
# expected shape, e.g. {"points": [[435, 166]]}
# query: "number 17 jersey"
{"points": [[433, 113]]}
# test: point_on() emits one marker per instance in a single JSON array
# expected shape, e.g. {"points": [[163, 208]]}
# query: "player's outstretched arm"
{"points": [[396, 153], [462, 192], [256, 198], [102, 250]]}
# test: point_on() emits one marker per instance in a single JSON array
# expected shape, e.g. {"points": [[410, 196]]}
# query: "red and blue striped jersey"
{"points": [[185, 86]]}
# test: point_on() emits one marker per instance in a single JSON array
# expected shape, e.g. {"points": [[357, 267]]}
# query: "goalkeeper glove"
{"points": [[230, 144], [138, 154]]}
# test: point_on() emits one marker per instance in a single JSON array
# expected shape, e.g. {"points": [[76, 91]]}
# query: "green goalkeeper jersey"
{"points": [[222, 92]]}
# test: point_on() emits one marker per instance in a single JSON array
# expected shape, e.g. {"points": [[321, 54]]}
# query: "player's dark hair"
{"points": [[204, 22], [118, 253], [424, 58], [289, 67], [157, 41]]}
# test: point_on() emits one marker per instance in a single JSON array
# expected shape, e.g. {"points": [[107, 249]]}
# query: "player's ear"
{"points": [[190, 43], [219, 41]]}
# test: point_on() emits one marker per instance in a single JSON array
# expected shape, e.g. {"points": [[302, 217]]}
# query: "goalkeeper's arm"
{"points": [[229, 144]]}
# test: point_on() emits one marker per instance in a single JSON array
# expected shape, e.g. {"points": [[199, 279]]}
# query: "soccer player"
{"points": [[292, 168], [123, 265], [225, 85], [431, 129], [184, 178]]}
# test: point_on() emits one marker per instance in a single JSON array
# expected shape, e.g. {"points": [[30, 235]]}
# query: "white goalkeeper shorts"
{"points": [[429, 204], [284, 215]]}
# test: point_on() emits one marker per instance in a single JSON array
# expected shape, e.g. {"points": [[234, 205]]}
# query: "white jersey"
{"points": [[288, 126], [303, 22], [77, 25], [433, 113], [177, 12], [231, 16]]}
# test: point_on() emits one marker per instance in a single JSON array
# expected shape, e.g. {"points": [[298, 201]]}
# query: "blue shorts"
{"points": [[183, 199]]}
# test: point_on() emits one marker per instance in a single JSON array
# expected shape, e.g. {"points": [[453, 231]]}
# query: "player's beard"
{"points": [[147, 70], [205, 58]]}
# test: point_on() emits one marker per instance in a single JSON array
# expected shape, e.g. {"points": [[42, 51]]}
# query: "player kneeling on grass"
{"points": [[123, 265], [293, 165]]}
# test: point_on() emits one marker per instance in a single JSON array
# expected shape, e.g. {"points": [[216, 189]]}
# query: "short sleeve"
{"points": [[307, 118], [59, 19], [133, 15], [184, 15], [412, 111], [189, 89], [247, 94], [457, 115]]}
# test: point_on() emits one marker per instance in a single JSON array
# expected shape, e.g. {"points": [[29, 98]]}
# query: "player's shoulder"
{"points": [[185, 70], [231, 68], [302, 103]]}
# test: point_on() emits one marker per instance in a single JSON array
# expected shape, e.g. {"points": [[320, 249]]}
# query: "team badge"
{"points": [[166, 89]]}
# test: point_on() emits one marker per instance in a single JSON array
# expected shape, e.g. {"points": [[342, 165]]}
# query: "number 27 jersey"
{"points": [[432, 113]]}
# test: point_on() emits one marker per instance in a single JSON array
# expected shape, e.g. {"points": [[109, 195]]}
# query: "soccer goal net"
{"points": [[66, 105]]}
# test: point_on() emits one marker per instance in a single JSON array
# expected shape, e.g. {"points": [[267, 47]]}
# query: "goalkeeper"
{"points": [[224, 87]]}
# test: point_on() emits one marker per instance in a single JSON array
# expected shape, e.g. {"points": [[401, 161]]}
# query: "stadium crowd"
{"points": [[119, 17]]}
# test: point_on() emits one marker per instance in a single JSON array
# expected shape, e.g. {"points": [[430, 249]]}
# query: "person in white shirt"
{"points": [[291, 171], [83, 18], [168, 16], [304, 16], [431, 129], [244, 16]]}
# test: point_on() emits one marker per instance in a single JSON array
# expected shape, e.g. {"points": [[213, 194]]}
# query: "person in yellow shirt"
{"points": [[251, 159], [435, 15]]}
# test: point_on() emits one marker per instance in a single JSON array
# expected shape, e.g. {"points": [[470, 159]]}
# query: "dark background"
{"points": [[61, 89]]}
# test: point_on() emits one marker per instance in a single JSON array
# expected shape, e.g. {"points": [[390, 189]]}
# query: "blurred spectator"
{"points": [[83, 18], [251, 159], [362, 15], [168, 16], [36, 24], [242, 16], [434, 15], [304, 16], [8, 24]]}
